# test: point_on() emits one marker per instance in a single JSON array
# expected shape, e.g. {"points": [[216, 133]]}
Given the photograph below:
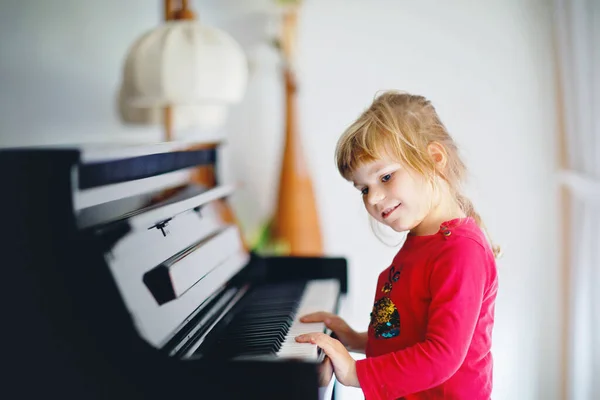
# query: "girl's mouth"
{"points": [[388, 211]]}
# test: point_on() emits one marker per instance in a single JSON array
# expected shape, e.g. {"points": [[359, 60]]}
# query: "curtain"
{"points": [[577, 29]]}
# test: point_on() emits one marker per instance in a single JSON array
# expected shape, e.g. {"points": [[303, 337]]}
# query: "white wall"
{"points": [[487, 68]]}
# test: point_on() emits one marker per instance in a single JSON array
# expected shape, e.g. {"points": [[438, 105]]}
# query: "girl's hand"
{"points": [[348, 336], [344, 365]]}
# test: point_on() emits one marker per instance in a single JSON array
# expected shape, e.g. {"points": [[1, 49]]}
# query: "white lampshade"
{"points": [[197, 69], [184, 116]]}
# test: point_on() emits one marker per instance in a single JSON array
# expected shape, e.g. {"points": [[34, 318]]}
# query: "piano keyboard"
{"points": [[269, 321], [318, 296]]}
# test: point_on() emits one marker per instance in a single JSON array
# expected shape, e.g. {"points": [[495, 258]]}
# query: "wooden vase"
{"points": [[296, 221]]}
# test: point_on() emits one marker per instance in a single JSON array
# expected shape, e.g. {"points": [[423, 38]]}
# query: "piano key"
{"points": [[319, 295], [260, 326], [268, 321]]}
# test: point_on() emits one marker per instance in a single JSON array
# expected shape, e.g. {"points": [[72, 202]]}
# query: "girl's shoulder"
{"points": [[460, 239], [456, 240], [465, 228]]}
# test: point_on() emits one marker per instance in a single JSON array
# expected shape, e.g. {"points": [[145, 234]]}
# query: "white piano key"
{"points": [[319, 295]]}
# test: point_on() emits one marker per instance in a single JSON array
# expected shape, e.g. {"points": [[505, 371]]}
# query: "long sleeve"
{"points": [[457, 283]]}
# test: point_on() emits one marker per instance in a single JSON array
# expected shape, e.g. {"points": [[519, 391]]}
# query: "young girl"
{"points": [[429, 335]]}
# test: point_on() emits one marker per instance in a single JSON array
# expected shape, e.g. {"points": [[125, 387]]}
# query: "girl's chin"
{"points": [[398, 226], [401, 225]]}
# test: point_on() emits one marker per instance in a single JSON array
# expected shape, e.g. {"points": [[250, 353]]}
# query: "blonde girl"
{"points": [[430, 330]]}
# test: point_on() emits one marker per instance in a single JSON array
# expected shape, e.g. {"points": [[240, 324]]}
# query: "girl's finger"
{"points": [[303, 338], [322, 340], [314, 337], [319, 316]]}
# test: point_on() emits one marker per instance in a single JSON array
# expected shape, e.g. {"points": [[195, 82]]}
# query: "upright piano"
{"points": [[124, 279]]}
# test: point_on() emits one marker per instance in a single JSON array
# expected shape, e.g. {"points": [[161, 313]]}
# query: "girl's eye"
{"points": [[364, 191], [386, 177]]}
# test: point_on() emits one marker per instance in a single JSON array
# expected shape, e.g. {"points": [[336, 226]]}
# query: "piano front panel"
{"points": [[85, 198], [146, 246]]}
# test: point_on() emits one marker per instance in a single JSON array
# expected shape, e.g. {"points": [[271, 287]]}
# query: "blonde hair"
{"points": [[402, 125]]}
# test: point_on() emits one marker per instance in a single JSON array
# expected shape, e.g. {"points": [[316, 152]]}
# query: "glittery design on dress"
{"points": [[385, 319], [387, 287]]}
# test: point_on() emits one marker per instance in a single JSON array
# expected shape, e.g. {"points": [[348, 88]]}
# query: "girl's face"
{"points": [[394, 195]]}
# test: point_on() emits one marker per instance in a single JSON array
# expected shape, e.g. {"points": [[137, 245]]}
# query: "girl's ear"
{"points": [[438, 154]]}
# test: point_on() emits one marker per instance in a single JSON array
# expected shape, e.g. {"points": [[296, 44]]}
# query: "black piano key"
{"points": [[260, 325], [255, 334], [276, 334]]}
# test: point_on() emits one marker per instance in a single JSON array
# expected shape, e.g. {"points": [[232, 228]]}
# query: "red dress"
{"points": [[431, 326]]}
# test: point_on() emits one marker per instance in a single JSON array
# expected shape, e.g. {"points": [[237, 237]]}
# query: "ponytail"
{"points": [[467, 206]]}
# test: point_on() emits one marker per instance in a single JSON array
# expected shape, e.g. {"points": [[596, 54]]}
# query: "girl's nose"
{"points": [[374, 197]]}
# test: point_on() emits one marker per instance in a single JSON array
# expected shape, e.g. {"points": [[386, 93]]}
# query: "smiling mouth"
{"points": [[386, 213]]}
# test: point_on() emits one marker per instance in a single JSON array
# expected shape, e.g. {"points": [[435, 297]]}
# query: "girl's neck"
{"points": [[446, 210]]}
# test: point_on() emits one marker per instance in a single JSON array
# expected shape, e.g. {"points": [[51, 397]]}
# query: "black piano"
{"points": [[122, 279]]}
